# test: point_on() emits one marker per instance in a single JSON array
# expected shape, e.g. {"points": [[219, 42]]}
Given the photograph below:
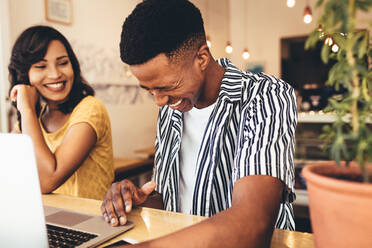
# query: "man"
{"points": [[225, 138]]}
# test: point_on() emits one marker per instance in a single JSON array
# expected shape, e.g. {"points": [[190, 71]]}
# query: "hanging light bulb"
{"points": [[335, 48], [209, 43], [291, 3], [321, 32], [308, 17], [228, 48], [329, 41], [246, 54]]}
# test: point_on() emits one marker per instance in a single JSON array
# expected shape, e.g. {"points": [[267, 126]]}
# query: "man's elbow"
{"points": [[264, 233]]}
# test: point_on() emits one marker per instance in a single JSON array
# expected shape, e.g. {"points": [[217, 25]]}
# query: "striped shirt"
{"points": [[250, 132]]}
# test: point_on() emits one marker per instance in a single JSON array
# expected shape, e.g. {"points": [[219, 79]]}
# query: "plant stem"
{"points": [[354, 77]]}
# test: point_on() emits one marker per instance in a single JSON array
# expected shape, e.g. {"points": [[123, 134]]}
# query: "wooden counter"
{"points": [[149, 152], [123, 165], [152, 223]]}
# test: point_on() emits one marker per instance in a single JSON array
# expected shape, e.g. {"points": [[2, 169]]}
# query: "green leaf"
{"points": [[361, 69], [353, 41], [318, 3], [339, 40], [325, 53], [312, 39], [363, 5], [363, 46]]}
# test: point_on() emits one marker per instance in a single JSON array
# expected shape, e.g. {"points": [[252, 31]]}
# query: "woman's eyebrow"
{"points": [[58, 58], [61, 57]]}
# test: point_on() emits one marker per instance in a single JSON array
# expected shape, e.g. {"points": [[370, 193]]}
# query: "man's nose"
{"points": [[160, 99]]}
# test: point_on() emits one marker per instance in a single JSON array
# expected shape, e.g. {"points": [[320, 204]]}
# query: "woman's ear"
{"points": [[203, 57]]}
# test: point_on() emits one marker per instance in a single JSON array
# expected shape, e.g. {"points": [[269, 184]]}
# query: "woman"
{"points": [[70, 128]]}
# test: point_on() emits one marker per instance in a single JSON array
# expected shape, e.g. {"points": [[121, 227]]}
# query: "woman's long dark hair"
{"points": [[31, 47]]}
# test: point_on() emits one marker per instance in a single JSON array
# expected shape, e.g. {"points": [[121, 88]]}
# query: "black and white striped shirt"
{"points": [[250, 132]]}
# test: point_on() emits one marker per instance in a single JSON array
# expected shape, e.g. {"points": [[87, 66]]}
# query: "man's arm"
{"points": [[248, 223]]}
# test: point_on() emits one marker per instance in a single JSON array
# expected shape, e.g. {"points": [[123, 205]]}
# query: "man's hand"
{"points": [[119, 200]]}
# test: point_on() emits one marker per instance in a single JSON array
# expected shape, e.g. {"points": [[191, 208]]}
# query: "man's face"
{"points": [[178, 85]]}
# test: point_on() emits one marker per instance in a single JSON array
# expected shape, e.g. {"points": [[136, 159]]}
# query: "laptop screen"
{"points": [[21, 212]]}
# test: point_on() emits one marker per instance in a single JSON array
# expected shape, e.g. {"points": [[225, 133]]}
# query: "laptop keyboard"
{"points": [[63, 237]]}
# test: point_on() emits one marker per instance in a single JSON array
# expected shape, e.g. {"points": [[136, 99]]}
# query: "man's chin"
{"points": [[187, 109], [184, 106]]}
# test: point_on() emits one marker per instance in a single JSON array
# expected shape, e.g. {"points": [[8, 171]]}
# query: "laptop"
{"points": [[23, 218]]}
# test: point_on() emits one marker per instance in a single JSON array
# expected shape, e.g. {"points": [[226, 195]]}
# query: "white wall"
{"points": [[267, 21], [216, 24]]}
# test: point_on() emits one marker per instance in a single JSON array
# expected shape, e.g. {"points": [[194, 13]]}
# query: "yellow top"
{"points": [[95, 175]]}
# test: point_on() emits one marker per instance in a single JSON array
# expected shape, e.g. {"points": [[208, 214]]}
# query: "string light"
{"points": [[209, 43], [228, 48], [335, 48], [321, 33], [308, 17], [246, 54], [291, 3], [329, 41], [208, 39]]}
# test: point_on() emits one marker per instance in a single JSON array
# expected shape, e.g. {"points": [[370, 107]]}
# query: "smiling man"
{"points": [[225, 138]]}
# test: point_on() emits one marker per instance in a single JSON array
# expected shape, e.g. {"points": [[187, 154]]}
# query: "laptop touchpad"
{"points": [[66, 218]]}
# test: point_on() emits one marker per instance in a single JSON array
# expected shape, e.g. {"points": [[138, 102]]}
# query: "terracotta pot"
{"points": [[340, 210]]}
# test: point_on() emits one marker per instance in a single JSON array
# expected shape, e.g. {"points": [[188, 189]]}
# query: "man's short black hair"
{"points": [[160, 26]]}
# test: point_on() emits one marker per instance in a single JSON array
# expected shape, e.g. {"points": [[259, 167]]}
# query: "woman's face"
{"points": [[53, 76]]}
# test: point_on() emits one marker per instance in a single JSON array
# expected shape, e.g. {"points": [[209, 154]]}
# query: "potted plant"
{"points": [[340, 192]]}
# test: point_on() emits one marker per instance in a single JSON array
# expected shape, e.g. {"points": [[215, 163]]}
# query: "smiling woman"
{"points": [[70, 129], [53, 76]]}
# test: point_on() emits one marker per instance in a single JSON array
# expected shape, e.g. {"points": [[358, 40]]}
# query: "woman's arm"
{"points": [[54, 169]]}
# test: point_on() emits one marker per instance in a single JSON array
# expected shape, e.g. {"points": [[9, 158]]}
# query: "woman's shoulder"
{"points": [[89, 102], [90, 110]]}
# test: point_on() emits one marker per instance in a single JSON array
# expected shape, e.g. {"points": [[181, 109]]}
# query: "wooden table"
{"points": [[149, 151], [138, 170], [123, 165], [152, 223]]}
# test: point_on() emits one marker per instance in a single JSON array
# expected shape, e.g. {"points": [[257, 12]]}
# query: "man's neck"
{"points": [[211, 88]]}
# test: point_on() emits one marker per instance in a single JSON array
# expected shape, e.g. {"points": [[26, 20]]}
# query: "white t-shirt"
{"points": [[194, 123]]}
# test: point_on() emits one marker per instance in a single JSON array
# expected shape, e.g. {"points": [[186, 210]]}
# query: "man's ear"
{"points": [[203, 57]]}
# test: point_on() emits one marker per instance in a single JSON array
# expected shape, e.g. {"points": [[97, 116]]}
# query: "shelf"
{"points": [[321, 117], [302, 198], [315, 117]]}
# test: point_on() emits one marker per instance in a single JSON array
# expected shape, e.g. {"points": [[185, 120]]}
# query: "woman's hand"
{"points": [[26, 97]]}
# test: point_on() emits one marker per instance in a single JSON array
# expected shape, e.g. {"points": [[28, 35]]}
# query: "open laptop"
{"points": [[23, 218]]}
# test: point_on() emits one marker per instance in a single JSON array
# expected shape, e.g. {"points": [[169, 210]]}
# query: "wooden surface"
{"points": [[152, 223], [149, 151], [122, 165]]}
